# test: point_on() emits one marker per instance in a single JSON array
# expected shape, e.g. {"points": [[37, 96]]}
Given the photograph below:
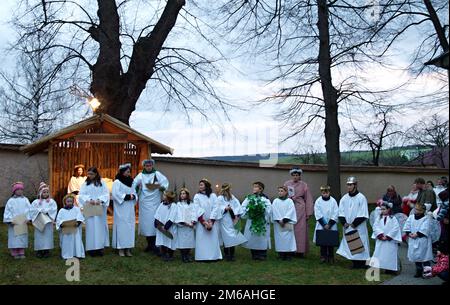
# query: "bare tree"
{"points": [[309, 42], [431, 132], [375, 133], [33, 102], [120, 52]]}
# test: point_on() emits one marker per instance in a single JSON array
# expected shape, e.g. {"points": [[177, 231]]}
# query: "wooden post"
{"points": [[50, 169]]}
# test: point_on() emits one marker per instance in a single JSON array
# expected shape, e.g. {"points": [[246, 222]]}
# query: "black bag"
{"points": [[329, 238]]}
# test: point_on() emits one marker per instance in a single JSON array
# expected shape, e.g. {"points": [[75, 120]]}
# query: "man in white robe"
{"points": [[353, 215], [149, 184], [43, 240], [124, 199], [71, 243], [284, 218], [259, 242], [207, 243], [17, 205], [95, 191], [387, 232]]}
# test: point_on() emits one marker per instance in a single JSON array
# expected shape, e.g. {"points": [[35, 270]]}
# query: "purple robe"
{"points": [[304, 207]]}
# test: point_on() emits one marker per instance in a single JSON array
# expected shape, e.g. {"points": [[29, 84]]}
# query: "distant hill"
{"points": [[393, 156]]}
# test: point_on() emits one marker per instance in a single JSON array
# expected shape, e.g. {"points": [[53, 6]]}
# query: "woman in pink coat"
{"points": [[299, 192]]}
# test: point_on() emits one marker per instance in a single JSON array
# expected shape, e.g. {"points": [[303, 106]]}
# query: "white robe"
{"points": [[148, 200], [420, 249], [16, 206], [124, 216], [43, 240], [97, 233], [164, 213], [284, 240], [229, 236], [351, 208], [385, 255], [328, 210], [75, 184], [185, 234], [257, 242], [71, 244], [207, 243]]}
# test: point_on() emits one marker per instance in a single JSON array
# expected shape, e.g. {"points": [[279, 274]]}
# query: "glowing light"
{"points": [[94, 103]]}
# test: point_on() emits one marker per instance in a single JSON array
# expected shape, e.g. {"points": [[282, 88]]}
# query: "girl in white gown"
{"points": [[228, 214], [71, 243]]}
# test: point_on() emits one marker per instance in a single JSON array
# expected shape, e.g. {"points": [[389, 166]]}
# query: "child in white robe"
{"points": [[326, 212], [166, 233], [228, 214], [207, 241], [124, 199], [43, 241], [353, 214], [257, 211], [185, 222], [95, 192], [387, 232], [17, 205], [420, 250], [71, 243], [283, 218]]}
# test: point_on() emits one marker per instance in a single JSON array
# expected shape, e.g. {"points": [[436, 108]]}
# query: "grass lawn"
{"points": [[144, 268]]}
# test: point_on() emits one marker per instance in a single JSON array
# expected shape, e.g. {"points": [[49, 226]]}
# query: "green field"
{"points": [[144, 268]]}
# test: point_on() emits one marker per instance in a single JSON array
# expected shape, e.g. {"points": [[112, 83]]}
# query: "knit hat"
{"points": [[148, 161], [42, 188], [17, 186]]}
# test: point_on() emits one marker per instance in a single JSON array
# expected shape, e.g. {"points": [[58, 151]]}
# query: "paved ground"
{"points": [[406, 276]]}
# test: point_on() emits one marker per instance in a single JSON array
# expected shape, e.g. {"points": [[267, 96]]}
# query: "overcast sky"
{"points": [[248, 132]]}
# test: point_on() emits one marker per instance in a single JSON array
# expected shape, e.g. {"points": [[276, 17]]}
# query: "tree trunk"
{"points": [[330, 96], [440, 31], [118, 92]]}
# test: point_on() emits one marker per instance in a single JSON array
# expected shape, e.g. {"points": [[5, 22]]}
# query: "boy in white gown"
{"points": [[207, 243], [43, 240], [124, 199], [387, 232], [257, 211], [284, 217], [228, 214], [420, 250], [326, 212], [185, 222], [149, 184], [71, 243], [353, 214], [95, 192], [17, 206], [166, 234]]}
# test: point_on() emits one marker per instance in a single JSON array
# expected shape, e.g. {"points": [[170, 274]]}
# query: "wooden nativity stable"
{"points": [[101, 141]]}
